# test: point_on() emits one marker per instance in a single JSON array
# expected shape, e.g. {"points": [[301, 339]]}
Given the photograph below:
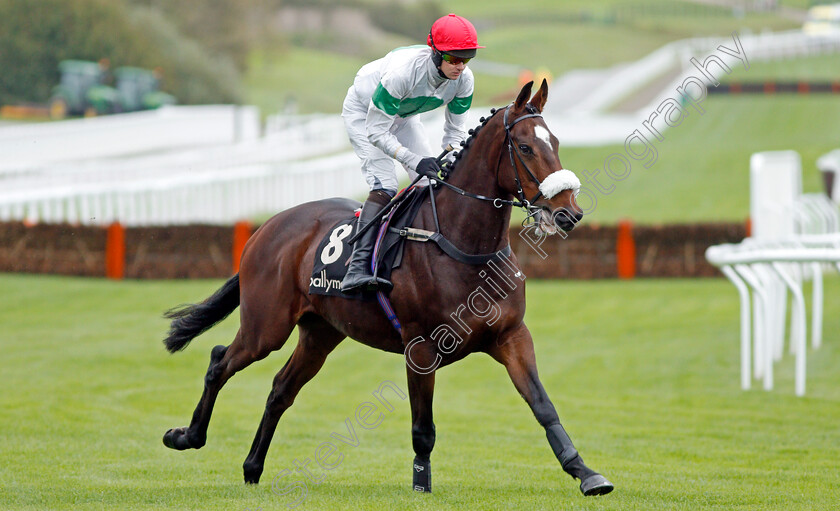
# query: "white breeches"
{"points": [[378, 168]]}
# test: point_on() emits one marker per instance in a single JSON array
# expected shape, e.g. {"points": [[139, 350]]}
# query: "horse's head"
{"points": [[531, 169]]}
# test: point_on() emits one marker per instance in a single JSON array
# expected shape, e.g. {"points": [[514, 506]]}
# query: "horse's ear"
{"points": [[524, 94], [541, 96]]}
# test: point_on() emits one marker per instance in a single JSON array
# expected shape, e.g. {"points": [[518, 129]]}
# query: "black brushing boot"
{"points": [[359, 276], [422, 480]]}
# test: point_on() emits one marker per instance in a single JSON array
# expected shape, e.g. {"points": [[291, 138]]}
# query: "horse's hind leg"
{"points": [[225, 361], [317, 340]]}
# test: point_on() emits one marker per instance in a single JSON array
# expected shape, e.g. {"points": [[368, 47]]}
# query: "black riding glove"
{"points": [[428, 167]]}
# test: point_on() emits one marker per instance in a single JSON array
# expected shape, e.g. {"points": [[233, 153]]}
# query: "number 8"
{"points": [[335, 247]]}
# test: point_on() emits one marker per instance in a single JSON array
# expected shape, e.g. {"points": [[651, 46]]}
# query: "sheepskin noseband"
{"points": [[558, 181]]}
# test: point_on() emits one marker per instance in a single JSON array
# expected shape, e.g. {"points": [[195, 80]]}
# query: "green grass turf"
{"points": [[315, 80], [644, 375], [816, 68], [802, 4], [702, 170]]}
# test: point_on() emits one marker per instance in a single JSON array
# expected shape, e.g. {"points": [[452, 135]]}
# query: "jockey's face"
{"points": [[452, 71]]}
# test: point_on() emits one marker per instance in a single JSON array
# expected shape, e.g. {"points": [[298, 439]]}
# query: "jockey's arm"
{"points": [[380, 117], [454, 129], [455, 115]]}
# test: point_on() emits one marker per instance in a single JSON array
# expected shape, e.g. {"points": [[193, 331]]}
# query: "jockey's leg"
{"points": [[359, 275], [379, 172]]}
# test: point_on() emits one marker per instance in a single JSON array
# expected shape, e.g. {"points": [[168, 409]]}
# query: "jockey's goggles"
{"points": [[452, 59]]}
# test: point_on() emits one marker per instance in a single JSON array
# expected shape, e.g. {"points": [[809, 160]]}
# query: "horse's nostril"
{"points": [[566, 220]]}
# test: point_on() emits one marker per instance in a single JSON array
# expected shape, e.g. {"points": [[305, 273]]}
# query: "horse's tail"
{"points": [[191, 320]]}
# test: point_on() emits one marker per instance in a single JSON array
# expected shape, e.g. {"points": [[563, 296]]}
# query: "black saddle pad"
{"points": [[333, 255]]}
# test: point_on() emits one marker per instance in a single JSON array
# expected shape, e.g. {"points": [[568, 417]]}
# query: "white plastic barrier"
{"points": [[775, 186], [752, 265], [221, 195], [773, 45], [791, 232], [175, 186], [170, 127], [830, 163]]}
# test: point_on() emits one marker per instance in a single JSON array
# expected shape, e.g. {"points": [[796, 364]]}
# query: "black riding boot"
{"points": [[359, 276]]}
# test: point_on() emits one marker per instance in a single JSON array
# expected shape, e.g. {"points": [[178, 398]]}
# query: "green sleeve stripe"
{"points": [[460, 105], [385, 101]]}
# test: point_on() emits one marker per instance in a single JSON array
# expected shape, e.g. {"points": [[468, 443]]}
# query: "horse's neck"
{"points": [[475, 226]]}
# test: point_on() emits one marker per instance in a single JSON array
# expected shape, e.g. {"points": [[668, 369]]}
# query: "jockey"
{"points": [[380, 115]]}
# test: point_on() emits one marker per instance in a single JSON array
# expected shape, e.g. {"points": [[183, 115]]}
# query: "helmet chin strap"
{"points": [[437, 58]]}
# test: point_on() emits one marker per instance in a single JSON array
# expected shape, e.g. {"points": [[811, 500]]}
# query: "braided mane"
{"points": [[465, 145]]}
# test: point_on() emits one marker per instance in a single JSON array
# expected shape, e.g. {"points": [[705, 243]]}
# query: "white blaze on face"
{"points": [[543, 135]]}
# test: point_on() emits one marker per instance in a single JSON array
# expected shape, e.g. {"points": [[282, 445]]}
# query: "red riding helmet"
{"points": [[454, 35]]}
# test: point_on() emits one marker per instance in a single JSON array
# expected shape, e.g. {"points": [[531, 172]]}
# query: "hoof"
{"points": [[252, 473], [176, 438], [595, 484]]}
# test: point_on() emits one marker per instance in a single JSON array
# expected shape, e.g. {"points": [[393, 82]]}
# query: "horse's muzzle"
{"points": [[567, 219]]}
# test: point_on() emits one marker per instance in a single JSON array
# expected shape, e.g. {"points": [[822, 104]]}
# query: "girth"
{"points": [[412, 234]]}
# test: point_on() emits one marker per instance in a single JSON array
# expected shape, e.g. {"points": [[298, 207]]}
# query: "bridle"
{"points": [[513, 148]]}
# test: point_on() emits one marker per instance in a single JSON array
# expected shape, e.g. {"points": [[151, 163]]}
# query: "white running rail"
{"points": [[793, 237], [303, 158], [29, 146], [754, 265]]}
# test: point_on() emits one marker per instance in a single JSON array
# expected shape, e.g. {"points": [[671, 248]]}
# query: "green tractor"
{"points": [[139, 89], [82, 90]]}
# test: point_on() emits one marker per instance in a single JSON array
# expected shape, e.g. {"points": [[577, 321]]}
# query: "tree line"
{"points": [[201, 46]]}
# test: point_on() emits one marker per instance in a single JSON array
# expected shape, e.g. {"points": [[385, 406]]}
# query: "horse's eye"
{"points": [[525, 149]]}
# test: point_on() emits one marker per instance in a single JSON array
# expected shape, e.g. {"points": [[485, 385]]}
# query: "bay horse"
{"points": [[272, 292]]}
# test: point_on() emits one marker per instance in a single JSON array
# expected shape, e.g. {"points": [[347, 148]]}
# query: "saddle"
{"points": [[334, 250]]}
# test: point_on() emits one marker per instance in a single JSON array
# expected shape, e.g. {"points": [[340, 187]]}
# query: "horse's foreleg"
{"points": [[421, 389], [225, 361], [317, 340], [516, 352]]}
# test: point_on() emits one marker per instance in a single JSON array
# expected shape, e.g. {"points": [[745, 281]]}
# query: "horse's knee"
{"points": [[423, 440]]}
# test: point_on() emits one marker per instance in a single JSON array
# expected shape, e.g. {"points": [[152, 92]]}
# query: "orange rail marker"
{"points": [[241, 234], [115, 252], [625, 250]]}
